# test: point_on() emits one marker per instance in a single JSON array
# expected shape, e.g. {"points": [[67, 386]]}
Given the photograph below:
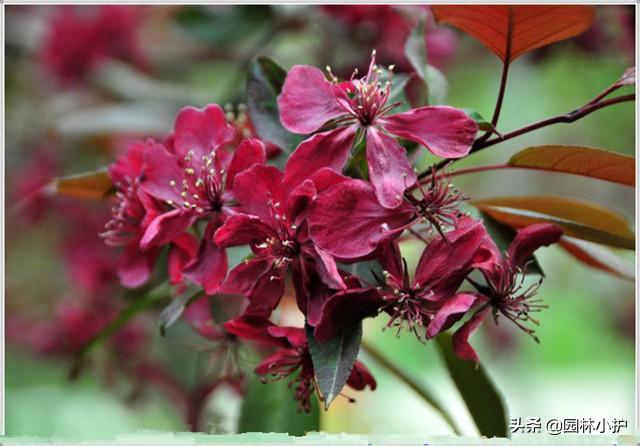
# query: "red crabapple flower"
{"points": [[79, 38], [292, 357], [359, 110], [348, 221], [273, 223], [504, 293], [193, 178], [132, 212], [443, 266], [387, 27]]}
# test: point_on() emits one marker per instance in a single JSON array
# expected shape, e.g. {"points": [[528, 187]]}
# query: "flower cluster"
{"points": [[209, 187]]}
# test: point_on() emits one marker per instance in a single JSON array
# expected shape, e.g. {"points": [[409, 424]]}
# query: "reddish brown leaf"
{"points": [[577, 218], [526, 26], [578, 160], [91, 185], [597, 257]]}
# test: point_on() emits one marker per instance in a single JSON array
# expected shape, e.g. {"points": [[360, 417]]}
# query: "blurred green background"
{"points": [[584, 365]]}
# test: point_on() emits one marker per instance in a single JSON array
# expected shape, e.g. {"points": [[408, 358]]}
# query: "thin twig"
{"points": [[564, 118]]}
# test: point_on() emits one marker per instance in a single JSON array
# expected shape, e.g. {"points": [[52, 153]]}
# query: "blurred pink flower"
{"points": [[79, 38], [387, 27]]}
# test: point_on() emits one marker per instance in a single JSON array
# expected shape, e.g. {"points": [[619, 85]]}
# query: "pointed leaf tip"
{"points": [[333, 360]]}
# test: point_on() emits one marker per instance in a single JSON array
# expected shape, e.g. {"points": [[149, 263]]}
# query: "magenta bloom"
{"points": [[274, 225], [127, 225], [78, 39], [387, 27], [442, 268], [348, 222], [504, 292], [292, 357], [359, 109], [193, 178], [132, 212]]}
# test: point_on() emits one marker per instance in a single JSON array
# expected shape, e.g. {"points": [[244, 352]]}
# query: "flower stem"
{"points": [[503, 81], [409, 381], [160, 292], [565, 118]]}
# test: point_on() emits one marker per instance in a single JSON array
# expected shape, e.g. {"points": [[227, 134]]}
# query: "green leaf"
{"points": [[174, 310], [415, 49], [225, 27], [334, 359], [398, 83], [483, 400], [437, 85], [270, 407], [264, 83], [482, 123]]}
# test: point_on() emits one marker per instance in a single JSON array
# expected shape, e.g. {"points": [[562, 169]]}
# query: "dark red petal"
{"points": [[165, 228], [259, 281], [325, 178], [450, 312], [135, 266], [160, 169], [198, 316], [183, 250], [201, 130], [295, 336], [249, 152], [258, 189], [344, 308], [348, 222], [241, 229], [209, 267], [328, 149], [327, 268], [253, 328], [298, 202], [361, 377], [389, 169], [391, 260], [311, 291], [282, 357], [307, 100], [128, 167], [461, 337], [266, 294], [446, 131], [445, 263], [531, 238], [242, 279]]}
